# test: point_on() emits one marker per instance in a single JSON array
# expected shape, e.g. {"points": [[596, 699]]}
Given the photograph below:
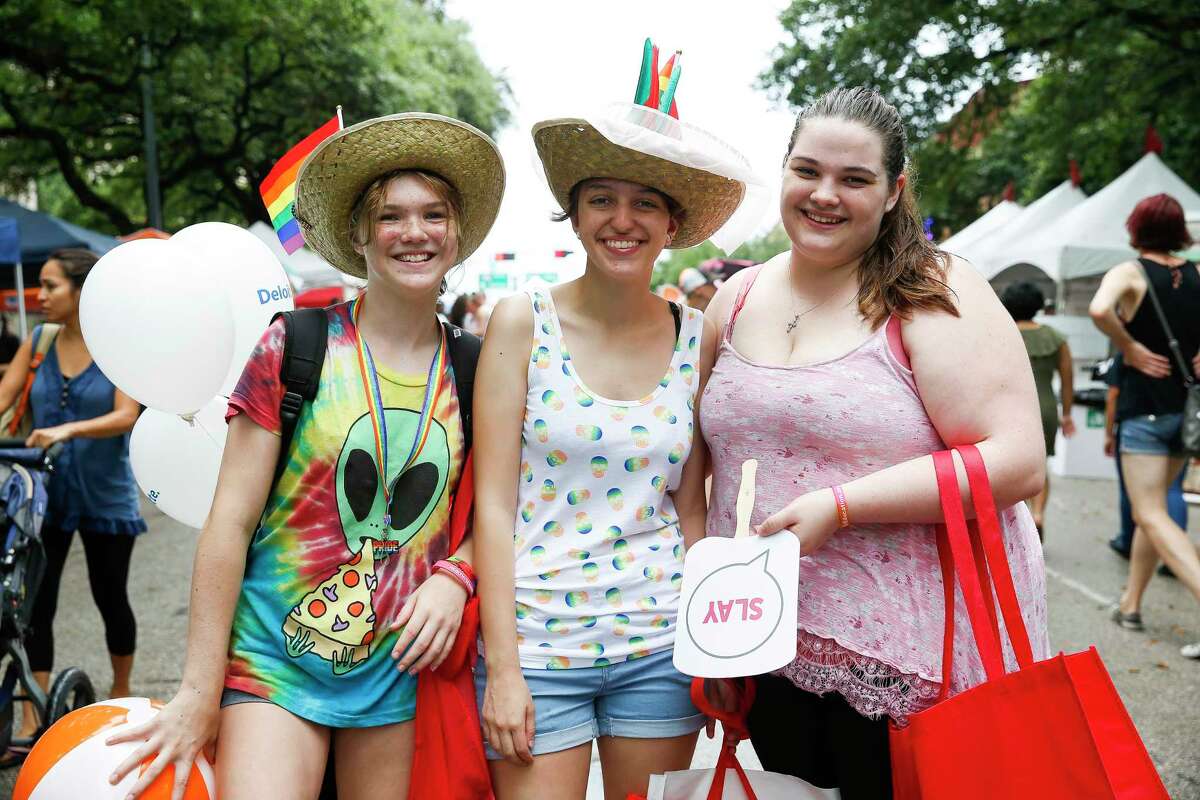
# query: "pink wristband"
{"points": [[451, 569], [843, 510]]}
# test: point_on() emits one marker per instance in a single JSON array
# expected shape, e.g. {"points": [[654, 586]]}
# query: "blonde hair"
{"points": [[365, 212]]}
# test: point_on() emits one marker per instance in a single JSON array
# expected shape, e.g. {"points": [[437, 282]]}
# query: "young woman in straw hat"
{"points": [[868, 350], [583, 448], [313, 621]]}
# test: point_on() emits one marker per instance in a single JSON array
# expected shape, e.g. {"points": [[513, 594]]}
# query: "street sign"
{"points": [[494, 280]]}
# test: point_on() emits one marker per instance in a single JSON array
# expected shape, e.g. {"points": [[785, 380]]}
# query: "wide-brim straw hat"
{"points": [[572, 150], [335, 174]]}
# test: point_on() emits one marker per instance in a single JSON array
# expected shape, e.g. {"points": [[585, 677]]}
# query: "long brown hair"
{"points": [[901, 271]]}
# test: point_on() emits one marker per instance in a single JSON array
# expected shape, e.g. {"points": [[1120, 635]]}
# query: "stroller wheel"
{"points": [[72, 689], [6, 726]]}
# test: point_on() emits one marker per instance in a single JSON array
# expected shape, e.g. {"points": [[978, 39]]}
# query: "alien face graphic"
{"points": [[414, 493]]}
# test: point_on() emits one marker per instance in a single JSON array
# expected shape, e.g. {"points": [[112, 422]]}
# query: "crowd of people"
{"points": [[351, 609]]}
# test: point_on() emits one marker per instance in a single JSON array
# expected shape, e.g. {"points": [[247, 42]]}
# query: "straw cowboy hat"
{"points": [[335, 174], [573, 150]]}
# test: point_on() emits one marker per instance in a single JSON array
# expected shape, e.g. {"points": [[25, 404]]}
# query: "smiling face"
{"points": [[835, 191], [413, 241], [57, 293], [623, 226]]}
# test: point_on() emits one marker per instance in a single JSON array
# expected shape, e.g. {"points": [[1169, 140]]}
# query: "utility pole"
{"points": [[150, 141]]}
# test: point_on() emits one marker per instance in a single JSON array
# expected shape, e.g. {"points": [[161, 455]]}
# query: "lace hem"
{"points": [[871, 687]]}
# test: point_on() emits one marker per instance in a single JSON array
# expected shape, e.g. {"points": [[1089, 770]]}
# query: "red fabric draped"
{"points": [[448, 762]]}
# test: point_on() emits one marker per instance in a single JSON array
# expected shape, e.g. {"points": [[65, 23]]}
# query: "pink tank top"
{"points": [[871, 608]]}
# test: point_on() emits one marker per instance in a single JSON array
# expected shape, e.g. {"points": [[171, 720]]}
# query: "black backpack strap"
{"points": [[305, 333], [464, 356]]}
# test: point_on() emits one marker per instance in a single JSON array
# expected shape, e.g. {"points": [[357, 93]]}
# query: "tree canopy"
{"points": [[235, 84], [1047, 82]]}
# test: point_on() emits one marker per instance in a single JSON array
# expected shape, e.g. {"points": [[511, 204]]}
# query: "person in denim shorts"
{"points": [[1151, 401], [588, 487]]}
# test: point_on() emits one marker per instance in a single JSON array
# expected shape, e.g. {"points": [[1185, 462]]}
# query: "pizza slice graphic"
{"points": [[336, 620]]}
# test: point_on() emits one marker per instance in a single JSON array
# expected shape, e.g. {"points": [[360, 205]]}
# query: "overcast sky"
{"points": [[564, 58]]}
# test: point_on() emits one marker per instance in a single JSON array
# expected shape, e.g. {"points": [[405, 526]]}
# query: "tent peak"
{"points": [[1153, 142]]}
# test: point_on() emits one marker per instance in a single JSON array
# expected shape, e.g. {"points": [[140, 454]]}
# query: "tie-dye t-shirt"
{"points": [[323, 579], [599, 553]]}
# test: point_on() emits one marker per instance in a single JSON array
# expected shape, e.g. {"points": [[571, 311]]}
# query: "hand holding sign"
{"points": [[738, 603]]}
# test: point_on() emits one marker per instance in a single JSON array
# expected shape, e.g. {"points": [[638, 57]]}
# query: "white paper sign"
{"points": [[737, 610]]}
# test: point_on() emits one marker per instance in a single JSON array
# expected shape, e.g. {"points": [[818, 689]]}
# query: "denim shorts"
{"points": [[1153, 435], [642, 698]]}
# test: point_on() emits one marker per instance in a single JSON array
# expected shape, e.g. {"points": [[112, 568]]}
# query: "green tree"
{"points": [[1106, 69], [758, 250], [235, 84]]}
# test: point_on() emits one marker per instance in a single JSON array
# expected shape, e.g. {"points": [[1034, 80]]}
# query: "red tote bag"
{"points": [[1053, 728]]}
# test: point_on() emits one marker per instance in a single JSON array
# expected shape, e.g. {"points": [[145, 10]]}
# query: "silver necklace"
{"points": [[791, 326]]}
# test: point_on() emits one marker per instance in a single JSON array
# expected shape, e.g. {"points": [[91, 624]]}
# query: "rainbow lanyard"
{"points": [[370, 378]]}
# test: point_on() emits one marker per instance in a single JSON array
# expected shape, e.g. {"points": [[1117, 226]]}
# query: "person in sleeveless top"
{"points": [[92, 490], [586, 494], [1150, 404], [1048, 353], [324, 600], [868, 350]]}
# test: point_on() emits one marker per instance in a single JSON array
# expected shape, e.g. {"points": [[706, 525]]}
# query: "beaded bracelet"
{"points": [[843, 510], [454, 569]]}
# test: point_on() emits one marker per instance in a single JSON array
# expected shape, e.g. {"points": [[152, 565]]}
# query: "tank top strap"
{"points": [[751, 277]]}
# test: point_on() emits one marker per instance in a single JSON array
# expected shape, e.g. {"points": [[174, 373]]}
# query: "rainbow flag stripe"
{"points": [[278, 189]]}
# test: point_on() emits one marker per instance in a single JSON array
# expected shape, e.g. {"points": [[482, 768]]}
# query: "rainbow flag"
{"points": [[278, 189]]}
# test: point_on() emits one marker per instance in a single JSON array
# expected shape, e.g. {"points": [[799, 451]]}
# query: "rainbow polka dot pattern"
{"points": [[598, 550]]}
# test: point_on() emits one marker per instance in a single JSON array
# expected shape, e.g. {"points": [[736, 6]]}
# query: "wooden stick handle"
{"points": [[745, 498]]}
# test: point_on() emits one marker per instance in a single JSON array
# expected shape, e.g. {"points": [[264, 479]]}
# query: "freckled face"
{"points": [[414, 243], [835, 191], [56, 293], [623, 226]]}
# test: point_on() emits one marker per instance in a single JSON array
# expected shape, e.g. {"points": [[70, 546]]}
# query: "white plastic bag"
{"points": [[695, 784]]}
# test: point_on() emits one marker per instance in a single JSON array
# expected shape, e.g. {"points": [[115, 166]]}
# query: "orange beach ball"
{"points": [[70, 761]]}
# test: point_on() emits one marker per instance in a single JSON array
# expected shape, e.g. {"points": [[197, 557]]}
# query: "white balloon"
{"points": [[253, 279], [157, 324], [176, 462]]}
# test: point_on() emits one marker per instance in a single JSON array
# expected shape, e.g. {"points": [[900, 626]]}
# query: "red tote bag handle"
{"points": [[734, 724], [992, 537], [954, 536], [979, 561]]}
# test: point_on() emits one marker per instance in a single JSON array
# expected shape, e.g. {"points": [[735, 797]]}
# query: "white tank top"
{"points": [[599, 553]]}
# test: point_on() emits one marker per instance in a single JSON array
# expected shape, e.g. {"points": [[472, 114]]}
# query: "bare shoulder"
{"points": [[1128, 272], [722, 302], [511, 321], [980, 312]]}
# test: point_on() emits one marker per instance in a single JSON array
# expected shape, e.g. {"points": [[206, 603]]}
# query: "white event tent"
{"points": [[1091, 237], [306, 269], [1048, 208], [992, 220]]}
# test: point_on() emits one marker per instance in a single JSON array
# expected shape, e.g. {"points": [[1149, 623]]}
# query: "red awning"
{"points": [[8, 301]]}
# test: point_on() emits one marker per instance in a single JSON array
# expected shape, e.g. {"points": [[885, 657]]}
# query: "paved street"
{"points": [[1158, 685]]}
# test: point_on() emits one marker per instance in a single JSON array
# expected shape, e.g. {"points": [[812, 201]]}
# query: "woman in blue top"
{"points": [[92, 490]]}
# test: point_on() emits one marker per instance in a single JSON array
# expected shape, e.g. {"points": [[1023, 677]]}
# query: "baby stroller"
{"points": [[23, 475]]}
